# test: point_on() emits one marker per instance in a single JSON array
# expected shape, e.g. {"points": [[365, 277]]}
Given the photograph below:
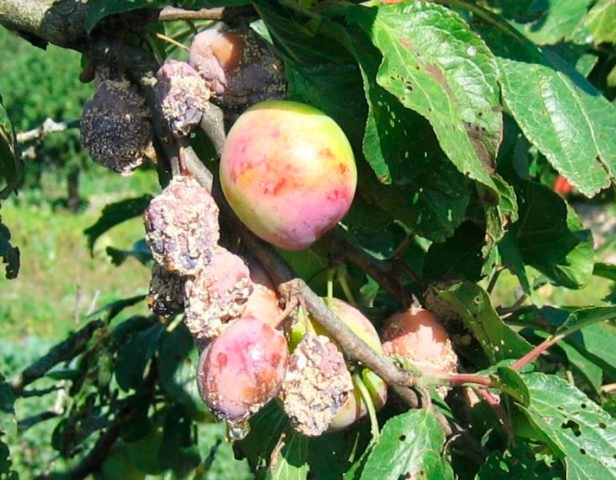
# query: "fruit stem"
{"points": [[367, 399], [174, 323], [341, 275], [387, 273], [521, 362], [494, 275], [171, 41], [330, 287], [496, 406], [461, 379]]}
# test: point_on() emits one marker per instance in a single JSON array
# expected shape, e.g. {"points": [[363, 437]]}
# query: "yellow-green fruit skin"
{"points": [[288, 172], [355, 407]]}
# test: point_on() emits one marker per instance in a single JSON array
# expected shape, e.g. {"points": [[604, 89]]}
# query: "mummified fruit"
{"points": [[166, 295], [239, 67], [182, 226], [217, 295], [182, 94], [316, 385], [417, 336], [115, 127], [288, 172], [242, 369]]}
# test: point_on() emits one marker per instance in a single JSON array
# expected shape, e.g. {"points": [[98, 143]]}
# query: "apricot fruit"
{"points": [[417, 336], [288, 172], [242, 369]]}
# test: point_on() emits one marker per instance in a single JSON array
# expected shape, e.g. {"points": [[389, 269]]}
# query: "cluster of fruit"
{"points": [[233, 69], [288, 172], [250, 354]]}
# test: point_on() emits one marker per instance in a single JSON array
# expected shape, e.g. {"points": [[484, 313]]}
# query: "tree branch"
{"points": [[60, 22], [61, 352], [47, 127], [386, 272], [220, 13], [175, 13]]}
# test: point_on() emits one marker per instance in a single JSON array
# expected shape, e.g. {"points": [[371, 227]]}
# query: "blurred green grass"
{"points": [[59, 281]]}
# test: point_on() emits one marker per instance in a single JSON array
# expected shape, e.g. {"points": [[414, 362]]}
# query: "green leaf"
{"points": [[111, 310], [331, 455], [138, 425], [599, 340], [140, 251], [8, 253], [99, 9], [436, 66], [472, 303], [432, 205], [134, 356], [520, 462], [354, 473], [508, 204], [422, 187], [409, 446], [266, 428], [511, 382], [459, 257], [593, 342], [605, 270], [11, 166], [549, 237], [114, 214], [291, 461], [581, 362], [177, 367], [299, 37], [497, 218], [179, 451], [601, 21], [511, 257], [566, 118], [332, 88], [578, 431], [551, 21], [584, 317], [6, 472]]}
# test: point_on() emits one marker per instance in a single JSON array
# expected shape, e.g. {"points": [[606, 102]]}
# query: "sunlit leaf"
{"points": [[436, 66], [409, 446], [579, 432], [497, 339]]}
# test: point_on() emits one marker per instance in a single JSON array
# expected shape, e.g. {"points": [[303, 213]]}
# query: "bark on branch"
{"points": [[60, 22]]}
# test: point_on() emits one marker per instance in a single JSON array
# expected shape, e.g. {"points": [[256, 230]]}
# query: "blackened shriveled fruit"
{"points": [[183, 96], [242, 369], [182, 226], [166, 295], [115, 127], [316, 385], [217, 295], [239, 67]]}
